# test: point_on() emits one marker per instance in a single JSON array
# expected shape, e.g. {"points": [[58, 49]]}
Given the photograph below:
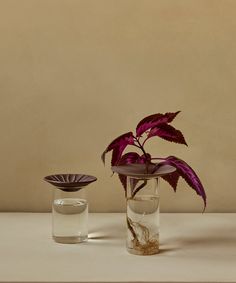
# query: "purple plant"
{"points": [[156, 125]]}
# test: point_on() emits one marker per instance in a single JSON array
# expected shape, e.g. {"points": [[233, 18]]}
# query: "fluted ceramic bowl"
{"points": [[70, 182]]}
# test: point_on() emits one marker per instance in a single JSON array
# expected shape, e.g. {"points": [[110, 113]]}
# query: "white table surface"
{"points": [[194, 248]]}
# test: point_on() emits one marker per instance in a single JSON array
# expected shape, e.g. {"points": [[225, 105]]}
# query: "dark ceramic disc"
{"points": [[70, 181], [142, 171]]}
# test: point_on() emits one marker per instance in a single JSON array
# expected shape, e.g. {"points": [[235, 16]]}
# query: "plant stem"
{"points": [[144, 141], [139, 188], [141, 147], [136, 145]]}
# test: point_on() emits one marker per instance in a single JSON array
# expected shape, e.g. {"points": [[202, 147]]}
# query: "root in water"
{"points": [[142, 243]]}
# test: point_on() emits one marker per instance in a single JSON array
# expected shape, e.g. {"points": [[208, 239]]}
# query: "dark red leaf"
{"points": [[116, 154], [118, 146], [167, 132], [128, 158], [145, 158], [186, 172], [154, 120], [172, 179], [123, 180]]}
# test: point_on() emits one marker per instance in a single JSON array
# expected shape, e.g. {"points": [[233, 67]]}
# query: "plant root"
{"points": [[142, 244]]}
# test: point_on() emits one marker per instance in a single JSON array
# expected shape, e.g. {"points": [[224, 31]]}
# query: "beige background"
{"points": [[76, 74]]}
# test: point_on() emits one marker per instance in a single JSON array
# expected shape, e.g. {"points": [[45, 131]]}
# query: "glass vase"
{"points": [[70, 207], [142, 215], [141, 185], [69, 216]]}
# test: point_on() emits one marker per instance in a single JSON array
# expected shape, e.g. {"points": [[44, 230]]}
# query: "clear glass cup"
{"points": [[70, 207], [69, 215], [142, 216]]}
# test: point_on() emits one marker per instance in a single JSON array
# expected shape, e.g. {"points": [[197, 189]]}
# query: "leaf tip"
{"points": [[204, 208], [103, 157], [176, 113]]}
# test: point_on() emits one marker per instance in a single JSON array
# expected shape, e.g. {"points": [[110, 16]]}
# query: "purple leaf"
{"points": [[172, 179], [131, 158], [186, 172], [154, 120], [118, 146], [123, 180], [167, 132], [128, 158], [145, 159]]}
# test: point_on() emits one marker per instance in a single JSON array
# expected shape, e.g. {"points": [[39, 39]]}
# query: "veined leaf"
{"points": [[167, 132], [172, 179], [118, 146], [128, 158], [154, 120], [186, 172]]}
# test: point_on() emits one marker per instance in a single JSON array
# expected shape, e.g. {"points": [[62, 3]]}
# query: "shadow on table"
{"points": [[105, 232], [167, 250], [213, 236], [208, 240], [99, 236]]}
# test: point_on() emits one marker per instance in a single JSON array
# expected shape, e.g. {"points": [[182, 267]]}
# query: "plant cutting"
{"points": [[140, 172]]}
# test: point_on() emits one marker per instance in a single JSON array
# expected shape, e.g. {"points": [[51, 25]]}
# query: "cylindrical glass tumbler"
{"points": [[70, 207], [143, 216], [141, 182], [69, 216]]}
